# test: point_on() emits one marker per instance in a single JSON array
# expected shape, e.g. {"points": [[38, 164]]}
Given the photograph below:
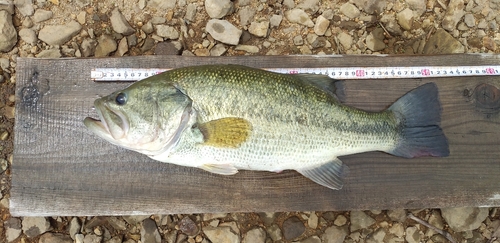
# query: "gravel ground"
{"points": [[85, 28]]}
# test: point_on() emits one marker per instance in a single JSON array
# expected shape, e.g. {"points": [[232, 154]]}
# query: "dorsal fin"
{"points": [[331, 86], [228, 132]]}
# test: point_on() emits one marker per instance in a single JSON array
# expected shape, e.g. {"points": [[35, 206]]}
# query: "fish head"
{"points": [[146, 117]]}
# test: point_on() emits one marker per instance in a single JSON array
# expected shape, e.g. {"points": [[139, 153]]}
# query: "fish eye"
{"points": [[121, 99]]}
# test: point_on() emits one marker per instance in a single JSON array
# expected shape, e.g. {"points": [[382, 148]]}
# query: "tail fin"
{"points": [[419, 112]]}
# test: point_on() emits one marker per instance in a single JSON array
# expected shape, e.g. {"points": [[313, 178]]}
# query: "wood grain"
{"points": [[60, 168]]}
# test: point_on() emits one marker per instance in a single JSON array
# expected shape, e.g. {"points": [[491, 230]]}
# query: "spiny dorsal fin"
{"points": [[228, 132], [329, 85]]}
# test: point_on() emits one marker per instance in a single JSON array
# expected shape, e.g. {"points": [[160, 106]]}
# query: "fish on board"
{"points": [[225, 118]]}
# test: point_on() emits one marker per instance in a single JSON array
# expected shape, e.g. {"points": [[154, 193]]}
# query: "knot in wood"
{"points": [[487, 98]]}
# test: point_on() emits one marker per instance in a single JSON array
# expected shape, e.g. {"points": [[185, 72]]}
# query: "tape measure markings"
{"points": [[134, 74]]}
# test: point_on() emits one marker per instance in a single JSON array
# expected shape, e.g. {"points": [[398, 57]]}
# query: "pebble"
{"points": [[134, 219], [74, 227], [167, 31], [246, 15], [188, 226], [334, 234], [105, 45], [374, 41], [293, 228], [489, 43], [321, 25], [190, 12], [91, 238], [147, 28], [247, 48], [4, 164], [148, 44], [345, 40], [397, 229], [119, 23], [218, 8], [50, 53], [88, 47], [312, 221], [81, 17], [312, 239], [162, 4], [59, 34], [298, 41], [12, 229], [311, 6], [370, 6], [25, 7], [275, 20], [168, 48], [149, 232], [405, 19], [221, 234], [8, 34], [441, 42], [257, 235], [54, 238], [232, 225], [391, 24], [35, 226], [122, 47], [360, 220], [42, 15], [464, 219], [377, 236], [413, 235], [340, 220], [28, 36], [218, 50], [9, 112], [117, 223], [299, 16], [454, 13], [7, 6], [349, 10], [224, 31], [259, 29], [398, 215], [469, 20]]}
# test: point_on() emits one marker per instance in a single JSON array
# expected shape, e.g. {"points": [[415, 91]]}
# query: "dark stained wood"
{"points": [[60, 168]]}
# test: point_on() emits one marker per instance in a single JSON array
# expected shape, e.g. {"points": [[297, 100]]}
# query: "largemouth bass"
{"points": [[225, 118]]}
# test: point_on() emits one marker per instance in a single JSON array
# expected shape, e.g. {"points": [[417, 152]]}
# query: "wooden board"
{"points": [[60, 168]]}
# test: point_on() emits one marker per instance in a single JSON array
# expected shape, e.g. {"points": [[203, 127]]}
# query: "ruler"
{"points": [[134, 74]]}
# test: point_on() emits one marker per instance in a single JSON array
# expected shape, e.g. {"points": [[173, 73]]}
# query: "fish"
{"points": [[226, 118]]}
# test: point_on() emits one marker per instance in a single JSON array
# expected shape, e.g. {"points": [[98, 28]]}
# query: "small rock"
{"points": [[224, 31], [299, 16], [405, 19], [218, 8], [376, 237], [413, 235], [391, 24], [398, 215], [464, 219], [9, 112], [312, 239], [334, 234], [345, 40], [246, 15], [293, 228], [298, 41], [397, 229], [79, 238], [257, 235], [370, 6], [349, 10], [162, 4], [50, 53], [418, 6], [218, 50], [441, 42], [81, 17], [106, 45], [360, 220], [12, 228], [274, 232], [188, 226], [54, 238], [275, 20], [374, 41], [74, 227], [88, 47], [167, 31], [247, 48], [259, 29], [59, 34], [8, 34], [221, 234], [482, 24], [454, 13], [134, 219], [27, 23], [147, 28], [149, 232], [7, 6], [91, 238], [340, 220], [469, 20], [190, 12], [42, 15], [117, 223], [312, 221], [321, 25], [115, 239], [25, 7], [28, 36], [4, 164], [489, 43], [122, 47], [148, 44], [35, 226], [210, 216], [309, 5], [268, 217], [168, 48], [119, 23], [157, 20]]}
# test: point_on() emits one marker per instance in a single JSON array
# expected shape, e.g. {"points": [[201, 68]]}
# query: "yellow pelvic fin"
{"points": [[228, 132]]}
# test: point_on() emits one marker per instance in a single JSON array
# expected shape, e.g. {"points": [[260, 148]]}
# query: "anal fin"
{"points": [[329, 174], [221, 169]]}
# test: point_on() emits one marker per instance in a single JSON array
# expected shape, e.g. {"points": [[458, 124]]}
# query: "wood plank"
{"points": [[60, 168]]}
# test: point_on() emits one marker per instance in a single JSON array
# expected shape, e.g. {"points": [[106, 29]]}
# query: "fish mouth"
{"points": [[111, 125]]}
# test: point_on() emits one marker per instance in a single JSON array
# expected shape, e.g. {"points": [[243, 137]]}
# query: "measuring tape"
{"points": [[134, 74]]}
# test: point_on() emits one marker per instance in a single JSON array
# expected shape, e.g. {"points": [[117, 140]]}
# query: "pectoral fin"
{"points": [[329, 174], [222, 169], [228, 132]]}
